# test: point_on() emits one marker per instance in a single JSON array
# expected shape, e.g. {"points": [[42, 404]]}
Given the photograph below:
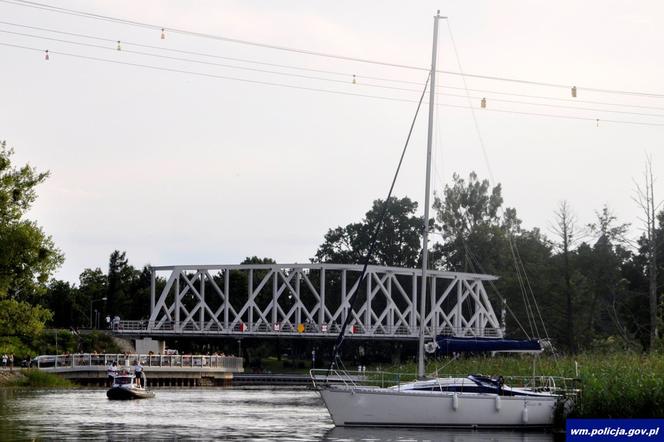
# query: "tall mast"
{"points": [[425, 235]]}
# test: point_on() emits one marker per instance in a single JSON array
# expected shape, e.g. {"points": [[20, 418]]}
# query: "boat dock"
{"points": [[160, 370]]}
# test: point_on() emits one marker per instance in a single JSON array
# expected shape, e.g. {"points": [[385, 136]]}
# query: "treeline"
{"points": [[584, 287]]}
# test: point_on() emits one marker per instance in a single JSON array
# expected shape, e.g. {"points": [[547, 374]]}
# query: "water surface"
{"points": [[258, 414]]}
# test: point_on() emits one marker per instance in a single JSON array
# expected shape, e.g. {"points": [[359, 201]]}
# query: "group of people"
{"points": [[8, 360], [113, 370]]}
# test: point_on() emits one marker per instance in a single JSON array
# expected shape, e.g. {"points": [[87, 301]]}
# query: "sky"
{"points": [[189, 168]]}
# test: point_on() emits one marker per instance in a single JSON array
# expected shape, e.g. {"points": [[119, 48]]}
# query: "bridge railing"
{"points": [[147, 360], [287, 328]]}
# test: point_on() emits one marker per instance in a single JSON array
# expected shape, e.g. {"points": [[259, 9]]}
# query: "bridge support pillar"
{"points": [[146, 345]]}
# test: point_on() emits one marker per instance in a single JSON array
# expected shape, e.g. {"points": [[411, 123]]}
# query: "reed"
{"points": [[34, 378]]}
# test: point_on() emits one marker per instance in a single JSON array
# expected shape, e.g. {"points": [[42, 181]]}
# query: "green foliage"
{"points": [[15, 345], [126, 289], [28, 256], [257, 260], [73, 342], [34, 378], [120, 277], [474, 235], [18, 318], [67, 303], [398, 242], [622, 385]]}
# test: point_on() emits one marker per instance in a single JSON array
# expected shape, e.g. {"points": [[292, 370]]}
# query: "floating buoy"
{"points": [[119, 48], [498, 403], [455, 402], [524, 413], [163, 34], [46, 57], [483, 103]]}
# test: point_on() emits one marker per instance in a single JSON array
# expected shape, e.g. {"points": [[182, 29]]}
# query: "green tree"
{"points": [[398, 243], [474, 235], [139, 303], [476, 238], [93, 285], [29, 256], [121, 278], [602, 265], [68, 304], [19, 318]]}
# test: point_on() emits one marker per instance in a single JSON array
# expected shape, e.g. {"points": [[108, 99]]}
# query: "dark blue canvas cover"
{"points": [[452, 344]]}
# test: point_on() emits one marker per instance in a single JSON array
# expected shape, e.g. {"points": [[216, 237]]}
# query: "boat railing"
{"points": [[384, 379], [360, 378]]}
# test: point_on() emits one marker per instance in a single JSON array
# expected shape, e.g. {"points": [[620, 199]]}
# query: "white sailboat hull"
{"points": [[351, 406]]}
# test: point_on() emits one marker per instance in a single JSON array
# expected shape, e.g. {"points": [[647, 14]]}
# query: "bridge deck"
{"points": [[159, 369]]}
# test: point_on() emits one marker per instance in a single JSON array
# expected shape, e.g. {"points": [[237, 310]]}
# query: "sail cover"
{"points": [[453, 344]]}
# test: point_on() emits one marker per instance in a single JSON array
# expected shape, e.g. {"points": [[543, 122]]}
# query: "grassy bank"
{"points": [[33, 378], [614, 385]]}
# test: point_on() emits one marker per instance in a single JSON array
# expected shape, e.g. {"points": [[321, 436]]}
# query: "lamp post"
{"points": [[92, 301]]}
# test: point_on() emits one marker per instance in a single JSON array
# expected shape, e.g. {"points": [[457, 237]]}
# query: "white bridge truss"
{"points": [[312, 300]]}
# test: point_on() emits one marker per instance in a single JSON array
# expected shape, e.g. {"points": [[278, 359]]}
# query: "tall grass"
{"points": [[620, 385], [34, 378]]}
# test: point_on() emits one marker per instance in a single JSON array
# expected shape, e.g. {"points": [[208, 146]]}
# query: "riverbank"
{"points": [[8, 378], [32, 378]]}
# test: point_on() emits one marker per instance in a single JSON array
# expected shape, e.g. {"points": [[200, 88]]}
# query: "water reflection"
{"points": [[340, 434], [199, 414]]}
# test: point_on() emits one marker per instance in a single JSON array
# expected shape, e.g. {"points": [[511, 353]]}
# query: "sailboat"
{"points": [[472, 401]]}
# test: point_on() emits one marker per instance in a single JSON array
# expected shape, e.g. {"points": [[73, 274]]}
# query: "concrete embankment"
{"points": [[296, 379]]}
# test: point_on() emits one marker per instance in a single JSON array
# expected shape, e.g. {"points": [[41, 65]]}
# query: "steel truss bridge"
{"points": [[312, 300]]}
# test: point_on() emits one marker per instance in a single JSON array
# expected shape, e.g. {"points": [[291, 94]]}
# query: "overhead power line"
{"points": [[79, 13], [203, 74], [306, 88], [309, 77], [347, 75]]}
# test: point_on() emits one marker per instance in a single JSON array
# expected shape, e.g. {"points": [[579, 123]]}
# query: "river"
{"points": [[258, 414]]}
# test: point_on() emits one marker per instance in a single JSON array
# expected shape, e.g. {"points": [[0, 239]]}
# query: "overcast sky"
{"points": [[177, 168]]}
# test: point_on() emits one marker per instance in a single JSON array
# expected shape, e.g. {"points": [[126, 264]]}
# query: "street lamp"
{"points": [[92, 301]]}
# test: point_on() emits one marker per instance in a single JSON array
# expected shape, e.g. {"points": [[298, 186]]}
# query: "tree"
{"points": [[398, 243], [29, 256], [474, 235], [121, 278], [602, 265], [19, 318], [93, 285], [67, 303], [139, 306], [645, 199], [476, 238], [565, 228]]}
